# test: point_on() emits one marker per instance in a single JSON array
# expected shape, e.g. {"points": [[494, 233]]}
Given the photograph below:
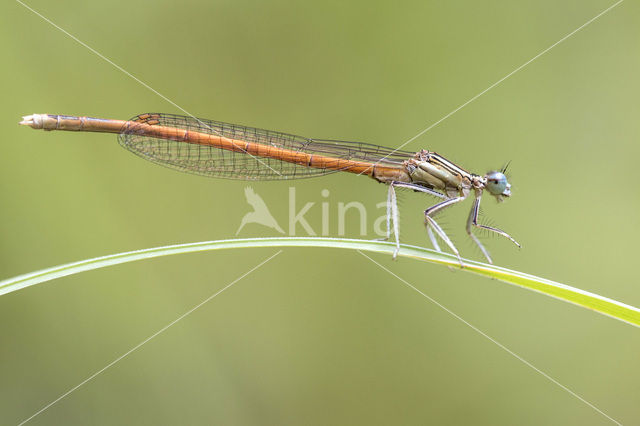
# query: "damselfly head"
{"points": [[497, 185]]}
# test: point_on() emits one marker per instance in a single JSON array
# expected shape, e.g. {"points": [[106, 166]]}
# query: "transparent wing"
{"points": [[217, 162]]}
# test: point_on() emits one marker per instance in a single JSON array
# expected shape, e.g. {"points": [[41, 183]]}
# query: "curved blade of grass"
{"points": [[603, 305]]}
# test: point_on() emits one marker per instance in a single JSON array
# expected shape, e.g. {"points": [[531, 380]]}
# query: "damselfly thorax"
{"points": [[217, 149]]}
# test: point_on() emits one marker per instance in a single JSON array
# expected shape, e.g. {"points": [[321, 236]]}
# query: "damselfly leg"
{"points": [[392, 209], [433, 239], [473, 221], [392, 217], [430, 222]]}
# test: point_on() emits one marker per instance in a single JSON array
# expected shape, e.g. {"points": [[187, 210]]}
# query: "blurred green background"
{"points": [[320, 336]]}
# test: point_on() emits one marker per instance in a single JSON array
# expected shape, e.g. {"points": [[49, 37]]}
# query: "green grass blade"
{"points": [[603, 305]]}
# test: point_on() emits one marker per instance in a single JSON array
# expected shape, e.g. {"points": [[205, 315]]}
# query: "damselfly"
{"points": [[213, 148]]}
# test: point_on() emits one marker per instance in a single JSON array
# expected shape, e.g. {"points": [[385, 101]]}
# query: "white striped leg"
{"points": [[390, 196], [430, 222], [473, 221], [392, 210], [432, 238], [392, 219]]}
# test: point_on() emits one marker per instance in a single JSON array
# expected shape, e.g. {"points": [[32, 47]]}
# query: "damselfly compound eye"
{"points": [[497, 183]]}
